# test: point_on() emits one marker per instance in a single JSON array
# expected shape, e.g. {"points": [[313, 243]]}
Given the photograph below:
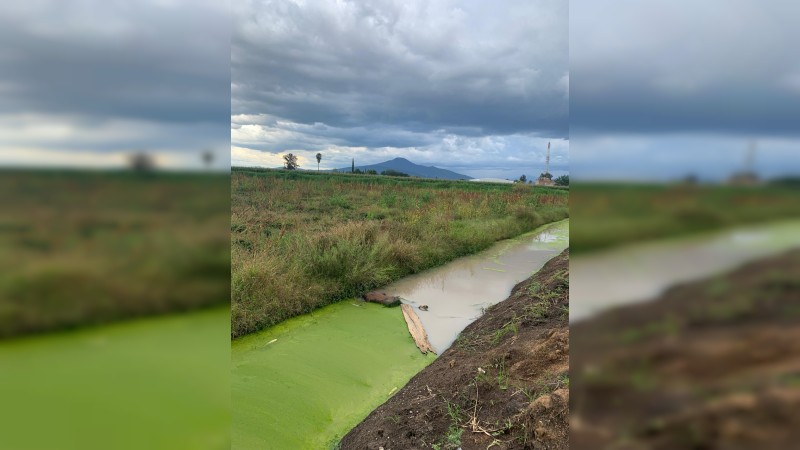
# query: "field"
{"points": [[608, 215], [82, 247], [301, 240]]}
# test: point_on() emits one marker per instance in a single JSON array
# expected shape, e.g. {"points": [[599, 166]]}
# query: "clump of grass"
{"points": [[333, 236], [452, 438]]}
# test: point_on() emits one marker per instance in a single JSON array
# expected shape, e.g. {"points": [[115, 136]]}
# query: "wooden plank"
{"points": [[416, 329]]}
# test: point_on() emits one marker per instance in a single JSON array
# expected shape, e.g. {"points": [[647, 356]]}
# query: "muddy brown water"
{"points": [[641, 272], [457, 292]]}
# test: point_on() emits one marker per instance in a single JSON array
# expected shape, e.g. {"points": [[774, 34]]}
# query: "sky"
{"points": [[665, 88], [471, 86], [85, 83]]}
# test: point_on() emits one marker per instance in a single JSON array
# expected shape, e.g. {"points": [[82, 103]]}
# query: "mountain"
{"points": [[416, 170]]}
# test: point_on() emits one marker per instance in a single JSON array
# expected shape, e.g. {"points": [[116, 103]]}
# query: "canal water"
{"points": [[306, 382]]}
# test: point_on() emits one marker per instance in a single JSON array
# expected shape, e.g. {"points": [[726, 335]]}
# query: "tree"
{"points": [[394, 173], [547, 175], [319, 158], [371, 172], [523, 178], [563, 180], [353, 167], [207, 157], [142, 162], [290, 162]]}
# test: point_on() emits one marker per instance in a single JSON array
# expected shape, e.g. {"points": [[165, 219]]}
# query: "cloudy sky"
{"points": [[472, 86], [86, 82], [667, 87]]}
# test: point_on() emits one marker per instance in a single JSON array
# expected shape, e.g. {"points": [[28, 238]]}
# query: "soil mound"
{"points": [[713, 364]]}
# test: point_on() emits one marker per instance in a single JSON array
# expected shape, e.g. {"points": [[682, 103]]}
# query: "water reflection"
{"points": [[643, 271], [456, 293]]}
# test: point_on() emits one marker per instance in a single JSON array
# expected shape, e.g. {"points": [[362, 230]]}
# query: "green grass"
{"points": [[302, 240], [87, 247], [611, 214]]}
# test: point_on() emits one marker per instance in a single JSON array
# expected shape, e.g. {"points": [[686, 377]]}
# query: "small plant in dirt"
{"points": [[538, 312], [511, 327], [452, 439]]}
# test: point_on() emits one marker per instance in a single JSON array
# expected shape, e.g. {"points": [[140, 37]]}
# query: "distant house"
{"points": [[491, 180], [746, 178]]}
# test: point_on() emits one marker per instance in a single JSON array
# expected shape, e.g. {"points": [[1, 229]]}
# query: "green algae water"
{"points": [[305, 382], [156, 383]]}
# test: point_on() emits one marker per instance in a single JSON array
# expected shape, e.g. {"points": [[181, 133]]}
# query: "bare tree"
{"points": [[290, 162], [319, 158]]}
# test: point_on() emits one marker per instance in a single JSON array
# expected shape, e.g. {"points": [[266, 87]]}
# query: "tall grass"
{"points": [[610, 214], [80, 248], [301, 241]]}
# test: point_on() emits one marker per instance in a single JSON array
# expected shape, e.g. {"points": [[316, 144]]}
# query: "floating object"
{"points": [[423, 307], [270, 342], [382, 298], [416, 329]]}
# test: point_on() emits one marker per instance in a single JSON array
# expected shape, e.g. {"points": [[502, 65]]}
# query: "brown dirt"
{"points": [[713, 364], [503, 384]]}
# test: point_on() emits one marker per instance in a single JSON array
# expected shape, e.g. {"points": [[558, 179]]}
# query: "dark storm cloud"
{"points": [[716, 66], [164, 63], [105, 76], [442, 67]]}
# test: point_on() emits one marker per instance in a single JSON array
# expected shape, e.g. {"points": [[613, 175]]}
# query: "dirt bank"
{"points": [[713, 364], [504, 383]]}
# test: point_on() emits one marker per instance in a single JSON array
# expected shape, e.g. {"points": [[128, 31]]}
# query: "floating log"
{"points": [[382, 298], [416, 329]]}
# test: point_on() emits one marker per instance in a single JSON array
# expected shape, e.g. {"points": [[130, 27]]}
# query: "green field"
{"points": [[301, 240], [86, 247], [611, 214]]}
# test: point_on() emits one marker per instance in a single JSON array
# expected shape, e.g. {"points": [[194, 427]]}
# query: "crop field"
{"points": [[608, 215], [82, 247], [301, 240]]}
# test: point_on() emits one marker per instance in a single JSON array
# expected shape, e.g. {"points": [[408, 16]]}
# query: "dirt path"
{"points": [[713, 364], [504, 383]]}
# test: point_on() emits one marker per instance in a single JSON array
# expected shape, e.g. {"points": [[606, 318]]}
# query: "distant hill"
{"points": [[416, 170]]}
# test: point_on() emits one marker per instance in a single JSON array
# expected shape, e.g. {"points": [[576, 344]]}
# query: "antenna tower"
{"points": [[547, 160]]}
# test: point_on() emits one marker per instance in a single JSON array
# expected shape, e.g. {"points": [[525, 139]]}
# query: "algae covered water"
{"points": [[156, 383], [306, 382]]}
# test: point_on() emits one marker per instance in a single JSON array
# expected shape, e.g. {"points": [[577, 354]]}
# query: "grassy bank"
{"points": [[302, 240], [609, 214], [85, 247]]}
